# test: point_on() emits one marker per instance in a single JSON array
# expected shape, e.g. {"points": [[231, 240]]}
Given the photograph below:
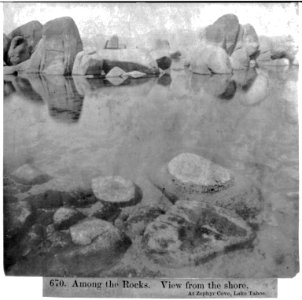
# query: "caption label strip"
{"points": [[159, 288]]}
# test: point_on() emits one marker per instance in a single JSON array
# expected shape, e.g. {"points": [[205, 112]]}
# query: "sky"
{"points": [[132, 19]]}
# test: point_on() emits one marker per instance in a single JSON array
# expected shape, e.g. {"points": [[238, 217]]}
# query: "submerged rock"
{"points": [[28, 174], [102, 233], [65, 217], [17, 217], [198, 179], [195, 173], [134, 221], [101, 210], [192, 232], [115, 189]]}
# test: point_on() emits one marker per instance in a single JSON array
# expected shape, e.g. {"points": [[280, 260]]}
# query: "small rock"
{"points": [[194, 172], [116, 72], [136, 74], [113, 43], [89, 229], [28, 174], [164, 62], [115, 189], [65, 217]]}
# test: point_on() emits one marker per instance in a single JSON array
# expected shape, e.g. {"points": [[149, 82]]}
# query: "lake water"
{"points": [[75, 129]]}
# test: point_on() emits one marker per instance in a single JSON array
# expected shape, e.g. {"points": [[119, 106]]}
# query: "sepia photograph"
{"points": [[151, 139]]}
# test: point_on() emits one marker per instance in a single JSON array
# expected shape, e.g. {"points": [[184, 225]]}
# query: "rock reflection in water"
{"points": [[63, 100]]}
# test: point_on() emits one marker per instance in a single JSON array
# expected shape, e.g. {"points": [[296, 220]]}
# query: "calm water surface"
{"points": [[75, 129]]}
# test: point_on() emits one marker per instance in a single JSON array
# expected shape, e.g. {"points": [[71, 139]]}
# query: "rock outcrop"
{"points": [[56, 51]]}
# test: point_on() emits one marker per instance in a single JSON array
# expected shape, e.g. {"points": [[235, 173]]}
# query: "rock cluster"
{"points": [[226, 45]]}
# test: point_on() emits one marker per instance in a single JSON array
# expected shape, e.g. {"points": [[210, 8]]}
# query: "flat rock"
{"points": [[28, 174], [65, 217], [115, 189], [240, 194], [193, 172], [191, 233], [86, 231]]}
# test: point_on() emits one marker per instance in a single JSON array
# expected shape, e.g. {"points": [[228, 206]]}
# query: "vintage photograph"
{"points": [[151, 140]]}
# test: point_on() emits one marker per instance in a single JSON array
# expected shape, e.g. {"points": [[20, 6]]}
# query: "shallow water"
{"points": [[75, 129]]}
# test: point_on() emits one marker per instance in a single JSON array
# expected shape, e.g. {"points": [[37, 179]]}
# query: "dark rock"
{"points": [[116, 190], [127, 67], [6, 45], [31, 32], [49, 199], [18, 51], [223, 32], [56, 51], [65, 217], [28, 174], [113, 43], [32, 239], [87, 63], [58, 240], [164, 62], [164, 80], [44, 216], [210, 59], [192, 232], [101, 210]]}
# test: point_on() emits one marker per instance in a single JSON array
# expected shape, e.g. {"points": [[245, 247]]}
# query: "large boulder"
{"points": [[87, 63], [31, 32], [223, 33], [192, 232], [18, 51], [210, 59], [250, 39], [56, 52]]}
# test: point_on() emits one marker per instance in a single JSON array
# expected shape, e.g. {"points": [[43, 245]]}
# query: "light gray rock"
{"points": [[193, 172], [28, 174], [192, 232], [90, 229], [208, 59], [65, 217], [115, 189]]}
